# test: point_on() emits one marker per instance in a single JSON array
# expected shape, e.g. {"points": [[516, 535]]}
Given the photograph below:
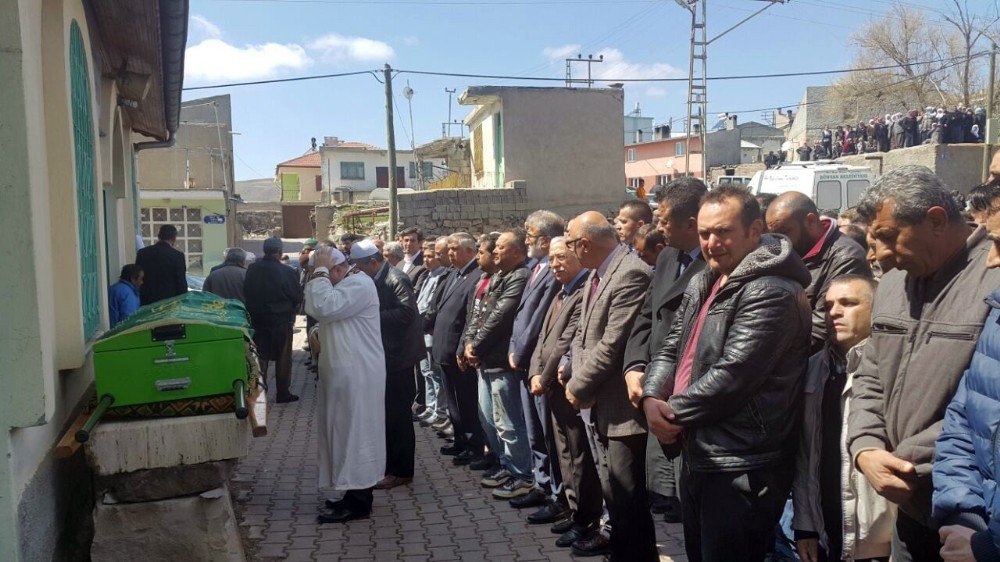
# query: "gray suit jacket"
{"points": [[556, 334], [599, 345]]}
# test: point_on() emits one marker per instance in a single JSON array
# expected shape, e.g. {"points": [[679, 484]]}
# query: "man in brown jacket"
{"points": [[926, 319], [613, 294], [576, 462]]}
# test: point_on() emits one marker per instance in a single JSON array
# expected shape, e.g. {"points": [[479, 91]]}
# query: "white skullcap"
{"points": [[336, 255], [363, 249]]}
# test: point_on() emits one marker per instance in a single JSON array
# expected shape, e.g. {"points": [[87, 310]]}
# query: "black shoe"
{"points": [[340, 515], [594, 545], [334, 505], [452, 450], [534, 498], [657, 503], [286, 399], [487, 462], [467, 456], [562, 526], [550, 513], [576, 533], [673, 512]]}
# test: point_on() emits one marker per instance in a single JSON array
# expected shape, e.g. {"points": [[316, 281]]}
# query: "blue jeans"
{"points": [[433, 400], [502, 418]]}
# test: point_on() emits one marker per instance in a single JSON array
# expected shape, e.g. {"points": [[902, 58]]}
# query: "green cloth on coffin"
{"points": [[192, 308]]}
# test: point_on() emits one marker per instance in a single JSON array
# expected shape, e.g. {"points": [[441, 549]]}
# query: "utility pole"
{"points": [[990, 132], [391, 141], [590, 60], [447, 126]]}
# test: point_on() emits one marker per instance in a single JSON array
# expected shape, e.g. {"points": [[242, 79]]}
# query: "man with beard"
{"points": [[540, 228]]}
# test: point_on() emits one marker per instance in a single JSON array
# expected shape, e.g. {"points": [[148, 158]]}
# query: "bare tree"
{"points": [[909, 47], [971, 30]]}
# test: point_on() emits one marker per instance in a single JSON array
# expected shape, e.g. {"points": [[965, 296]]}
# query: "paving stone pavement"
{"points": [[443, 515]]}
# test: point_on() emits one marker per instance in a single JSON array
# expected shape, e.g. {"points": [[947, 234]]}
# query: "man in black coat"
{"points": [[677, 219], [402, 339], [726, 384], [273, 295], [827, 253], [460, 382], [164, 266]]}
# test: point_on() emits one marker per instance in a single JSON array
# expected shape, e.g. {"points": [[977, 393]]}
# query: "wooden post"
{"points": [[391, 134]]}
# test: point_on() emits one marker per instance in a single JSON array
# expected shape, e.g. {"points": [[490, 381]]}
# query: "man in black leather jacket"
{"points": [[486, 342], [726, 382], [402, 340]]}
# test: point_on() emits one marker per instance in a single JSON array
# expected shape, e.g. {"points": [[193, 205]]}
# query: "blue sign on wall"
{"points": [[215, 219]]}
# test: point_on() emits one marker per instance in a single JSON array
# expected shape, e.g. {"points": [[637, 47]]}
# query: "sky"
{"points": [[248, 40]]}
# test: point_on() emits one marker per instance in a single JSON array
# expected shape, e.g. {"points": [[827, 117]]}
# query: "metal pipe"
{"points": [[987, 144], [239, 394], [83, 435]]}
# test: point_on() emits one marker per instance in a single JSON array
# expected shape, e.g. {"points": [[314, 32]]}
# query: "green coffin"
{"points": [[188, 346]]}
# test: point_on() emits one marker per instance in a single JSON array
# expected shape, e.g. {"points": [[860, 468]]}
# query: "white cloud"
{"points": [[616, 67], [334, 47], [205, 28], [411, 41], [214, 59], [656, 92], [561, 52]]}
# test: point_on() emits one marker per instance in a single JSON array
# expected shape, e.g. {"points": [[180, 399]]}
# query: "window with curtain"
{"points": [[352, 170]]}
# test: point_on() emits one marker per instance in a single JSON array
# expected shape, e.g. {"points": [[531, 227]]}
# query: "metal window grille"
{"points": [[86, 203], [190, 234]]}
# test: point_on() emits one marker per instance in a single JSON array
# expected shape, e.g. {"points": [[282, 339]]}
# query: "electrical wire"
{"points": [[280, 80], [710, 78], [880, 89]]}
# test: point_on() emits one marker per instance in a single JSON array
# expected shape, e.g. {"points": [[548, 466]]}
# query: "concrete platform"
{"points": [[126, 446]]}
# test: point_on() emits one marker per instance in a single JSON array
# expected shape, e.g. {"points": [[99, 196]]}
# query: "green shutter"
{"points": [[86, 204], [289, 187]]}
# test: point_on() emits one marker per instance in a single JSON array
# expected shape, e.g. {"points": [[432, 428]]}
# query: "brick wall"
{"points": [[443, 211]]}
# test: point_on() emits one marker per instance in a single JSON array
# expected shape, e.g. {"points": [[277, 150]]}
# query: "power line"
{"points": [[961, 58], [715, 78], [279, 80], [251, 168], [880, 89]]}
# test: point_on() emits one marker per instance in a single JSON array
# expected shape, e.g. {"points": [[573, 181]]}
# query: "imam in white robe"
{"points": [[351, 388]]}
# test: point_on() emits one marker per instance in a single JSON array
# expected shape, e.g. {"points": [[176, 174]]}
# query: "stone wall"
{"points": [[443, 211], [960, 166], [259, 222]]}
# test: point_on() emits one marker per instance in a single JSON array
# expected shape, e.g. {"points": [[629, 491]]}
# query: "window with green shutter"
{"points": [[86, 204]]}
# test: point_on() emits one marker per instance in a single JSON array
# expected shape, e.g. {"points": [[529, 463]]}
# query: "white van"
{"points": [[829, 185], [733, 180]]}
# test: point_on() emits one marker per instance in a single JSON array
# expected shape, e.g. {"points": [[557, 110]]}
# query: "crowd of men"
{"points": [[940, 125], [762, 373]]}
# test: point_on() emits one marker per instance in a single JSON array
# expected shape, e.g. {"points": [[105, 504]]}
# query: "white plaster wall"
{"points": [[332, 157]]}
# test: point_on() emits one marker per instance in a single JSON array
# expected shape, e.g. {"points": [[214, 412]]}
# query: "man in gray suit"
{"points": [[613, 294], [571, 445]]}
